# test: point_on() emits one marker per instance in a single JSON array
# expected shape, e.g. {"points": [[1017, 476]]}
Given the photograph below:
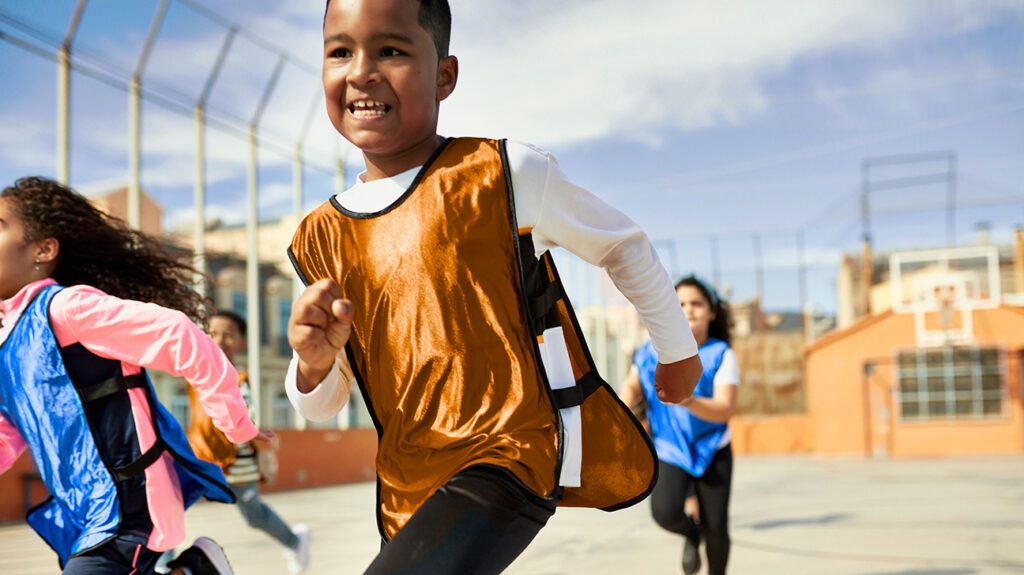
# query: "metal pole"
{"points": [[199, 185], [299, 182], [199, 199], [252, 275], [63, 123], [868, 186], [865, 206], [759, 270], [299, 200], [802, 274], [252, 262], [951, 214], [64, 95], [299, 205], [299, 210], [134, 208], [716, 267]]}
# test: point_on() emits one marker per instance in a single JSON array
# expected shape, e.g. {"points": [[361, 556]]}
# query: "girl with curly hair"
{"points": [[86, 306]]}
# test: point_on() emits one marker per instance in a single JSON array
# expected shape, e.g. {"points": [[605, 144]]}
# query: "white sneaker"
{"points": [[204, 557], [298, 559]]}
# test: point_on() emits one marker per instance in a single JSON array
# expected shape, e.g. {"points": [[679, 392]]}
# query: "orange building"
{"points": [[933, 364], [871, 392], [927, 360]]}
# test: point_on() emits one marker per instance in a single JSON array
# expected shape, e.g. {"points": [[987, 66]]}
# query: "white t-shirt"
{"points": [[564, 215], [729, 374]]}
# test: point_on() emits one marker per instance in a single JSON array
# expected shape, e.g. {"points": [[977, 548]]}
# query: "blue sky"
{"points": [[701, 119]]}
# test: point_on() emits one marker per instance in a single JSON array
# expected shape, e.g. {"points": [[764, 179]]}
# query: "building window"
{"points": [[950, 383]]}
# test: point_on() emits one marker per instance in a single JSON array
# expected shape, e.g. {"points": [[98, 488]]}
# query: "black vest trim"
{"points": [[524, 288], [138, 466], [112, 385], [567, 397]]}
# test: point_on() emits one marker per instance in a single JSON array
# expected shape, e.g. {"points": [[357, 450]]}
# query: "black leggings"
{"points": [[712, 495], [123, 555], [478, 522]]}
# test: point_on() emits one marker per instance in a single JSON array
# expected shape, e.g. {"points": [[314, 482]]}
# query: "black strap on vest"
{"points": [[543, 312], [139, 465], [112, 385], [572, 396]]}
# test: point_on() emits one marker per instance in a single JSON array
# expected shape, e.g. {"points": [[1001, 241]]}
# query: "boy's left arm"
{"points": [[572, 218], [154, 337]]}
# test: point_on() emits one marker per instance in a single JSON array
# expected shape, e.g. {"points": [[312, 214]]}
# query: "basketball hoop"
{"points": [[945, 297], [942, 289]]}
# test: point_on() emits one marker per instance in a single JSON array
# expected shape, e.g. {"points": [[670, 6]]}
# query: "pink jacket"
{"points": [[148, 336]]}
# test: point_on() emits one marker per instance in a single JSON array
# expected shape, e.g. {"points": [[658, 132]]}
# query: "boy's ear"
{"points": [[47, 250], [447, 76]]}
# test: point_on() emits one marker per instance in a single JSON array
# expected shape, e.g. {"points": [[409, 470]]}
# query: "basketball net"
{"points": [[945, 296]]}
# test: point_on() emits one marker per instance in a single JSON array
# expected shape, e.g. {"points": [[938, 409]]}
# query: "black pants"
{"points": [[712, 495], [478, 522], [122, 555]]}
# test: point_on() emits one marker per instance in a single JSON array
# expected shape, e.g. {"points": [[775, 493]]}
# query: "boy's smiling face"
{"points": [[382, 79]]}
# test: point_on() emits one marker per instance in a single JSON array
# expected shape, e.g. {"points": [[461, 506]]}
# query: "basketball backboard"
{"points": [[942, 288]]}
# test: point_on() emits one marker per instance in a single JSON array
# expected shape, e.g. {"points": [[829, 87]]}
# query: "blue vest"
{"points": [[73, 410], [680, 437]]}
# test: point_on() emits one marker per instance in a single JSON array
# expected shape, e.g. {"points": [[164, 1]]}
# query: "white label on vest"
{"points": [[555, 356]]}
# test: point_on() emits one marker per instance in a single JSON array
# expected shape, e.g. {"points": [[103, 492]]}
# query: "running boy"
{"points": [[433, 272], [240, 461]]}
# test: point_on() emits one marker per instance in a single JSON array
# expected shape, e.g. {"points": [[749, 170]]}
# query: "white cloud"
{"points": [[579, 71], [30, 147], [552, 73]]}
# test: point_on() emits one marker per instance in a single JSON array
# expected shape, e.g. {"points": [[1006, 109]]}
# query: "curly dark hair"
{"points": [[101, 251], [721, 326]]}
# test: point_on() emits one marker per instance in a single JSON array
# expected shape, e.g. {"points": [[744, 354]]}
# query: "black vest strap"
{"points": [[139, 465], [572, 396], [543, 313], [112, 385]]}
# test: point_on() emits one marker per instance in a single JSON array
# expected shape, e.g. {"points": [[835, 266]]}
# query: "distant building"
{"points": [[927, 360], [113, 200], [769, 348]]}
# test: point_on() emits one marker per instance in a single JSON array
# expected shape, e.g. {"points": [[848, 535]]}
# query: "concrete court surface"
{"points": [[790, 515]]}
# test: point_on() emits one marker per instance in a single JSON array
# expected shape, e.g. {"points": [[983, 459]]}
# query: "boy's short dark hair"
{"points": [[239, 321], [436, 18]]}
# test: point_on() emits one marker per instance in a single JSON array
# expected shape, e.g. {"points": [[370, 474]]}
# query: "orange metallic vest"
{"points": [[449, 302], [208, 442]]}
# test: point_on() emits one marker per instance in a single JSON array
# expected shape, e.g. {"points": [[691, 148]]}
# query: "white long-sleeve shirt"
{"points": [[561, 214]]}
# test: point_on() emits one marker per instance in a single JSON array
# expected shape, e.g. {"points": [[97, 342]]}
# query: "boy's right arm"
{"points": [[318, 329], [12, 445], [570, 217]]}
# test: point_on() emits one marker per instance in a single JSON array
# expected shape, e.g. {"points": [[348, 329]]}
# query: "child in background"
{"points": [[434, 273], [240, 461], [87, 306], [693, 439]]}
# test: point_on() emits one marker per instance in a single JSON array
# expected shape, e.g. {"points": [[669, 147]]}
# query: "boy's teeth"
{"points": [[368, 109]]}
